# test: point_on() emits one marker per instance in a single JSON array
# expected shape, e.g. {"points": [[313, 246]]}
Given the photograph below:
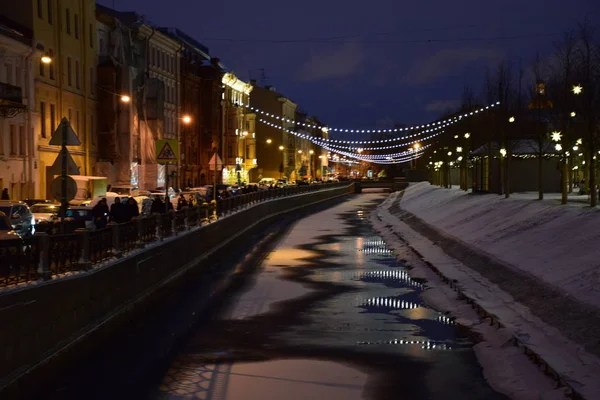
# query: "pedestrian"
{"points": [[181, 202], [5, 195], [158, 206], [132, 209], [118, 211], [100, 213]]}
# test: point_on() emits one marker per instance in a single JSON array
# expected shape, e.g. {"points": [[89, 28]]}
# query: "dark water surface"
{"points": [[363, 310]]}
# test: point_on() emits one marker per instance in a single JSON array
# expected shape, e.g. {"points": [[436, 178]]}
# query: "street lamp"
{"points": [[573, 114], [245, 133], [125, 98], [186, 119], [46, 59], [311, 152], [269, 141], [281, 148], [511, 119], [467, 135], [299, 151]]}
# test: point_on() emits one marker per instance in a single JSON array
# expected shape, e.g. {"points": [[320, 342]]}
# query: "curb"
{"points": [[484, 314]]}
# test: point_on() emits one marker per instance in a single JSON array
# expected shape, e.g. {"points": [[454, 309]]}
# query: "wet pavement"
{"points": [[325, 311], [331, 316]]}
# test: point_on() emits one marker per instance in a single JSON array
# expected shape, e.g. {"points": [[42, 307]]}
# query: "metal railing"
{"points": [[43, 255]]}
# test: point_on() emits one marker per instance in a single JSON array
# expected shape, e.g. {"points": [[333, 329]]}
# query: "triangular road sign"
{"points": [[219, 162], [64, 129], [166, 153], [56, 168]]}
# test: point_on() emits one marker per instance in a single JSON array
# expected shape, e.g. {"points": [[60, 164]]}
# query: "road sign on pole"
{"points": [[56, 188], [64, 136], [167, 151]]}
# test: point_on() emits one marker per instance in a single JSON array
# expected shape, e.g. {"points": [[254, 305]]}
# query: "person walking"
{"points": [[100, 213]]}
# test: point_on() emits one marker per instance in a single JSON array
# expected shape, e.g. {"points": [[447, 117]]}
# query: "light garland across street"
{"points": [[381, 158], [391, 130]]}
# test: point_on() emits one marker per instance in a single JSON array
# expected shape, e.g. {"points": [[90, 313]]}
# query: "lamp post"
{"points": [[281, 167]]}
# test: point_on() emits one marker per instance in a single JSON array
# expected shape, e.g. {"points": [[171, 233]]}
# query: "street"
{"points": [[330, 314]]}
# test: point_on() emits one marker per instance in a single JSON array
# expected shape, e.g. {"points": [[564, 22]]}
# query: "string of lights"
{"points": [[391, 130], [373, 158]]}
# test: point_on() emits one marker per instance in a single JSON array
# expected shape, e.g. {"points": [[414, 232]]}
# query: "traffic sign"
{"points": [[215, 160], [65, 131], [56, 188], [167, 151], [56, 168]]}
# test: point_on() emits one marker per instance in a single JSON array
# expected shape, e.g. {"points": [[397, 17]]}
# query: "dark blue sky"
{"points": [[369, 64]]}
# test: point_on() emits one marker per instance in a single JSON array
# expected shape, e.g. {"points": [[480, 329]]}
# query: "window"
{"points": [[42, 69], [43, 119], [77, 85], [22, 142], [70, 116], [229, 150], [13, 139], [153, 56], [50, 12], [68, 20], [69, 80], [77, 122], [91, 35], [9, 75], [100, 45], [248, 151], [76, 25], [92, 129], [92, 80], [52, 117], [51, 70], [40, 10]]}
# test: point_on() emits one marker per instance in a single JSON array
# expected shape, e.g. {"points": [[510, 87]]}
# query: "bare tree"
{"points": [[561, 79], [588, 73], [539, 102]]}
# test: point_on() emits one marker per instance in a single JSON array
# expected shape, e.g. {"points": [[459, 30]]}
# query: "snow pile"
{"points": [[558, 244]]}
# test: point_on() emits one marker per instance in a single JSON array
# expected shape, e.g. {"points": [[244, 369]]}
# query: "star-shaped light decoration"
{"points": [[459, 149], [577, 89], [579, 141], [556, 136]]}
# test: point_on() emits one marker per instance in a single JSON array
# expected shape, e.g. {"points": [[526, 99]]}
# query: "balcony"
{"points": [[11, 101]]}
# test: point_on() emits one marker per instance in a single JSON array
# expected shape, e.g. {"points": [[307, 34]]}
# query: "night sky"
{"points": [[370, 64]]}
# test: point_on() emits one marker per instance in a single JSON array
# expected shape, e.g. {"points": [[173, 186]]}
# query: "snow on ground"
{"points": [[464, 215], [558, 244]]}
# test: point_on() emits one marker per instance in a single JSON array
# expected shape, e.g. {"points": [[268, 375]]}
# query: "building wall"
{"points": [[211, 119], [66, 87], [238, 135], [18, 140], [269, 157]]}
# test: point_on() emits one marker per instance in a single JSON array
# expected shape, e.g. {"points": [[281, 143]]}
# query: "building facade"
{"points": [[66, 86], [120, 64], [18, 121], [211, 120], [312, 158], [276, 150], [239, 131]]}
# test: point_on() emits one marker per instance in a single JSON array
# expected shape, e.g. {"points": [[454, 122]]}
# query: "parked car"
{"points": [[124, 190], [83, 216], [6, 230], [44, 211], [21, 218]]}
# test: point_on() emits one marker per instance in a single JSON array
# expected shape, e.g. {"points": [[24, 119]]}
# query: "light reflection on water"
{"points": [[387, 308]]}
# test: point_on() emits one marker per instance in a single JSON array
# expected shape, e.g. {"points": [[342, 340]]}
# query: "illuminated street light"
{"points": [[577, 89], [46, 59], [455, 136], [459, 149], [573, 114], [511, 119], [299, 151], [311, 152], [186, 119], [449, 153], [416, 146], [125, 98], [245, 133], [359, 150], [575, 148], [503, 152], [269, 141], [556, 136], [467, 135], [280, 147], [558, 147]]}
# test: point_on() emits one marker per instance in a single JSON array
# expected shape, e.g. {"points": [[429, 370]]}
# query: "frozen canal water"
{"points": [[330, 314]]}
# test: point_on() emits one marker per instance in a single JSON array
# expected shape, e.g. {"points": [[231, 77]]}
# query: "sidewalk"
{"points": [[552, 324]]}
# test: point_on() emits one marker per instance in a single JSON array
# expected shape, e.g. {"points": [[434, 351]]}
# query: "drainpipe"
{"points": [[30, 135], [141, 97], [178, 111]]}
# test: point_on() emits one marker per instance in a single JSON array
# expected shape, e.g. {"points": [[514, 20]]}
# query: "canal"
{"points": [[327, 312]]}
